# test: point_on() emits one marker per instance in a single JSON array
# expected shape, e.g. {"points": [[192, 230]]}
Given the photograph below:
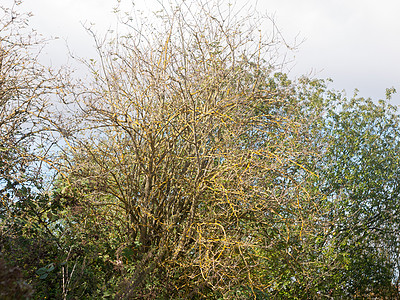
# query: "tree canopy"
{"points": [[188, 165]]}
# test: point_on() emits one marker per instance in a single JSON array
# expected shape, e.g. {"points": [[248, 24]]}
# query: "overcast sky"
{"points": [[354, 42]]}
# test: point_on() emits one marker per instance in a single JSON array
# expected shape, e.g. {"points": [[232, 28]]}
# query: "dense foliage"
{"points": [[188, 167]]}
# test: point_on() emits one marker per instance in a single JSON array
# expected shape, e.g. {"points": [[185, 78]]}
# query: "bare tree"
{"points": [[190, 151], [25, 88]]}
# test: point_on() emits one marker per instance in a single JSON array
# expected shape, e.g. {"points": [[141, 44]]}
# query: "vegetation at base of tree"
{"points": [[187, 165]]}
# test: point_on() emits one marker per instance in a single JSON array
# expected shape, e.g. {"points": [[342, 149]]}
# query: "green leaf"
{"points": [[41, 271], [50, 267]]}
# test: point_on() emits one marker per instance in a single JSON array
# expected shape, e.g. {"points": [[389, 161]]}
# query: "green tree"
{"points": [[359, 180]]}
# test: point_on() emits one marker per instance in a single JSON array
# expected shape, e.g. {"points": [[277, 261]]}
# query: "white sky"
{"points": [[354, 42]]}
